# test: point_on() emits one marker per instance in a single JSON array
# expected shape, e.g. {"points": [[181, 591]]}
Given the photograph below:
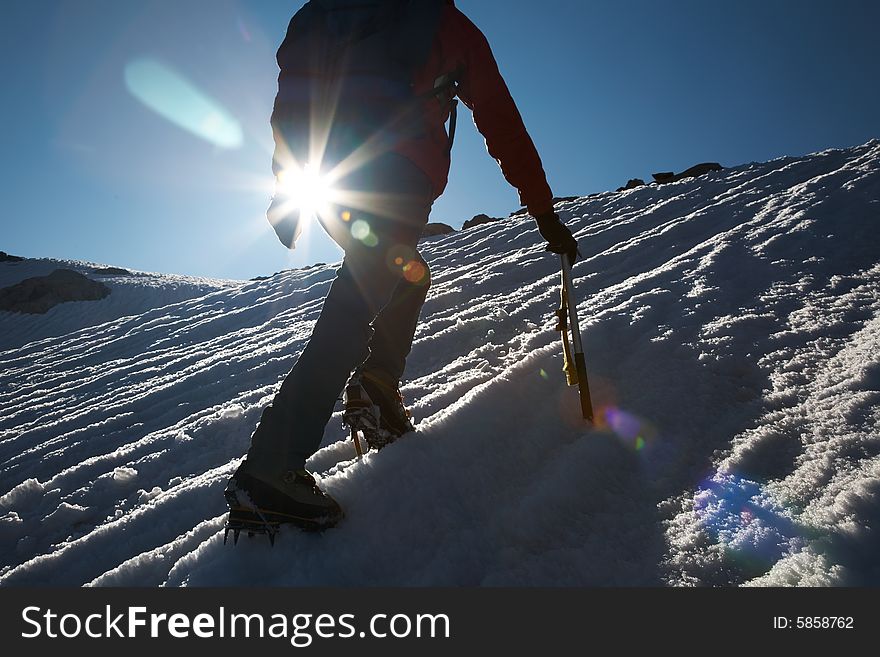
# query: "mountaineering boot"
{"points": [[270, 488], [375, 407], [258, 507]]}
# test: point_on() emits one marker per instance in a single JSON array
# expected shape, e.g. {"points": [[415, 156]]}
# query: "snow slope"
{"points": [[732, 326], [131, 293]]}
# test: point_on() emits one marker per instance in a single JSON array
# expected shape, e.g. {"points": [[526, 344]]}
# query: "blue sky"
{"points": [[608, 90]]}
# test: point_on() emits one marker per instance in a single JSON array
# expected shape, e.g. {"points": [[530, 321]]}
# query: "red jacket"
{"points": [[460, 46]]}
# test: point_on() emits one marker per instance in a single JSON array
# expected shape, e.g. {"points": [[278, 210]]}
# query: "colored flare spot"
{"points": [[630, 428], [414, 271], [544, 375], [398, 257], [622, 423], [360, 230], [181, 103], [346, 216], [242, 28]]}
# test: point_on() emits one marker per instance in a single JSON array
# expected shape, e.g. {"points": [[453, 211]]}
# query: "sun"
{"points": [[306, 189]]}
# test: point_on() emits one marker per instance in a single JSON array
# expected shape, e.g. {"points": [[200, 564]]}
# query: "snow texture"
{"points": [[732, 330], [131, 294]]}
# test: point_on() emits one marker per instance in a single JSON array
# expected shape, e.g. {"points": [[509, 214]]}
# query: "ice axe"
{"points": [[575, 368]]}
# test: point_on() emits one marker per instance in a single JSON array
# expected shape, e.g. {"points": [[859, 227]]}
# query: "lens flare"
{"points": [[634, 431], [180, 102], [397, 257], [415, 272], [360, 230], [242, 29]]}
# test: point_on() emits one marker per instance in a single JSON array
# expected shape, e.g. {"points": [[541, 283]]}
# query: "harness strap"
{"points": [[453, 115], [448, 83]]}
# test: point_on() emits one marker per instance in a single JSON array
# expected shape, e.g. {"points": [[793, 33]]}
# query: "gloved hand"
{"points": [[558, 236], [284, 217]]}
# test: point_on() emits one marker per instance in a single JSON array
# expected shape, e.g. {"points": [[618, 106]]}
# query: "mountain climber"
{"points": [[364, 94]]}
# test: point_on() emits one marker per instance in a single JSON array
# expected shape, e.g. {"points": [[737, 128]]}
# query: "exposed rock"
{"points": [[37, 295], [693, 172], [632, 184], [700, 169], [479, 220], [112, 271], [433, 229], [5, 257]]}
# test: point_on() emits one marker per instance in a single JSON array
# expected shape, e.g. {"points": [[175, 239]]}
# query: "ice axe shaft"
{"points": [[571, 377], [569, 303], [357, 443]]}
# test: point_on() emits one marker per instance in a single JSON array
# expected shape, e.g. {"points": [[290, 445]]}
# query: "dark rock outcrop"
{"points": [[693, 172], [700, 169], [5, 257], [37, 295], [434, 229], [479, 220], [632, 184], [112, 271]]}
